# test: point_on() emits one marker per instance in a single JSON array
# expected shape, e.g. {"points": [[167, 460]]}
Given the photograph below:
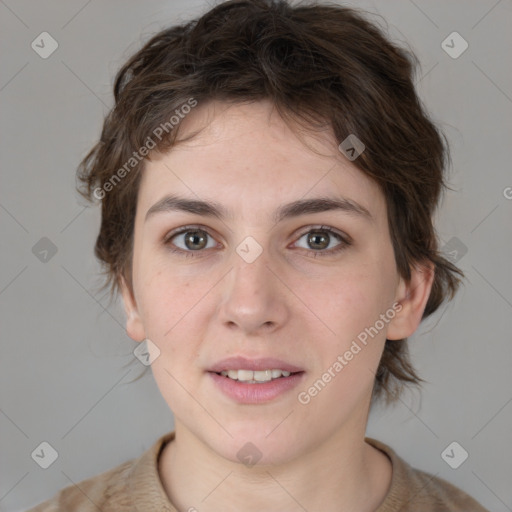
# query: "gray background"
{"points": [[67, 363]]}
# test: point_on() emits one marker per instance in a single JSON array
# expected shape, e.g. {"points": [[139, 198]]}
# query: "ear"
{"points": [[412, 295], [134, 325]]}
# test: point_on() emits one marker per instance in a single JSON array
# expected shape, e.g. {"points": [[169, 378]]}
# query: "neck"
{"points": [[342, 474]]}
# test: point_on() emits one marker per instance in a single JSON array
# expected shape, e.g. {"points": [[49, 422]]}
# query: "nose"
{"points": [[254, 299]]}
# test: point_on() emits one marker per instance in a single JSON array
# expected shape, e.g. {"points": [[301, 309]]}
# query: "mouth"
{"points": [[256, 377], [253, 381]]}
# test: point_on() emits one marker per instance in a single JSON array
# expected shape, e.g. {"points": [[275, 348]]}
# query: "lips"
{"points": [[256, 393], [260, 364]]}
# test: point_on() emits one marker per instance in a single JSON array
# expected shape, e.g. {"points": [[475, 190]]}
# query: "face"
{"points": [[248, 282]]}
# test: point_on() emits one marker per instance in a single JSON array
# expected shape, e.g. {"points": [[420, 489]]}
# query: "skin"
{"points": [[286, 304]]}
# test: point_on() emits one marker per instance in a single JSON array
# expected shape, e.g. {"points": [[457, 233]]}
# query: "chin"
{"points": [[252, 445]]}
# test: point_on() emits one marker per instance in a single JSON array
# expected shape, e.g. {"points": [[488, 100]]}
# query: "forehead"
{"points": [[247, 157]]}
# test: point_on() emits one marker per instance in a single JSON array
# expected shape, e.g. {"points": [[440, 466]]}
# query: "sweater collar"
{"points": [[143, 483], [145, 487]]}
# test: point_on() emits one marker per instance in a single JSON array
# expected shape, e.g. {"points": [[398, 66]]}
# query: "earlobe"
{"points": [[134, 325], [412, 295]]}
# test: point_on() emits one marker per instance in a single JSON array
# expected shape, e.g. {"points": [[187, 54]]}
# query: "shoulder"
{"points": [[436, 494], [419, 491], [93, 494], [135, 482]]}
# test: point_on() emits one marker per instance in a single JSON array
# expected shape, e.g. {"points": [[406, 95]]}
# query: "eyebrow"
{"points": [[294, 209]]}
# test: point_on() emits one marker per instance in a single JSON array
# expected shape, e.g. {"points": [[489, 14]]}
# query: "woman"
{"points": [[268, 179]]}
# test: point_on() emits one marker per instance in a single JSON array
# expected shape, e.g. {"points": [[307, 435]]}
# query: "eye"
{"points": [[322, 241], [189, 239]]}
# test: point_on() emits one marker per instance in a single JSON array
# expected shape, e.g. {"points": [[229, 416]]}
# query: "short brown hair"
{"points": [[319, 65]]}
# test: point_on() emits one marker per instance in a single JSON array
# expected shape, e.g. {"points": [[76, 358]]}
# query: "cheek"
{"points": [[348, 300], [348, 359], [168, 307], [165, 300], [351, 305]]}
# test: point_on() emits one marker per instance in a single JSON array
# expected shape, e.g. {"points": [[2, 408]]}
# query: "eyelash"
{"points": [[343, 239]]}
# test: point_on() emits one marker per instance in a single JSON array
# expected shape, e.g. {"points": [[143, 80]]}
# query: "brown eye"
{"points": [[318, 240], [195, 240], [323, 241], [190, 239]]}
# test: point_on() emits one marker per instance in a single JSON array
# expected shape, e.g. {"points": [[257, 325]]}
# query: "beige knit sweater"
{"points": [[135, 486]]}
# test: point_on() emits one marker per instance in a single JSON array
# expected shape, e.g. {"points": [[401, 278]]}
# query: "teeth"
{"points": [[254, 377], [245, 375]]}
